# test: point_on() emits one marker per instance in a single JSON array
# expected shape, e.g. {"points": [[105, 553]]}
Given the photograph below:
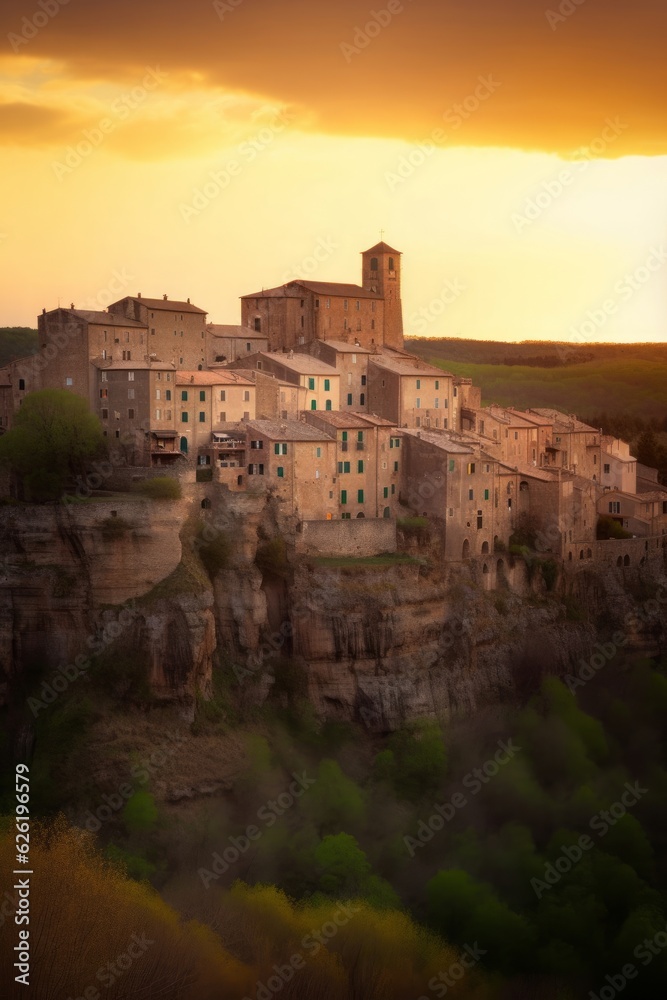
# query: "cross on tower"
{"points": [[381, 234]]}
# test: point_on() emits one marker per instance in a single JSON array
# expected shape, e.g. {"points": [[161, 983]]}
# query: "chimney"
{"points": [[71, 305], [164, 297], [188, 301], [192, 378], [139, 295]]}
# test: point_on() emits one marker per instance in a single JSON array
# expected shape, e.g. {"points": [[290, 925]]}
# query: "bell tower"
{"points": [[381, 273]]}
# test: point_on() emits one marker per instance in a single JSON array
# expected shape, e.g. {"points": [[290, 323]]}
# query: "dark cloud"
{"points": [[561, 74]]}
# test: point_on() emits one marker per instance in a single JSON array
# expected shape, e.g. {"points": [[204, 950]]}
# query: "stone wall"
{"points": [[359, 537]]}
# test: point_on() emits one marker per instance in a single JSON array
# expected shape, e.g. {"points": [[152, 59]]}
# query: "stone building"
{"points": [[639, 513], [124, 398], [297, 461], [230, 343], [619, 467], [368, 462], [410, 392], [206, 401], [176, 330], [302, 311], [351, 361], [321, 381]]}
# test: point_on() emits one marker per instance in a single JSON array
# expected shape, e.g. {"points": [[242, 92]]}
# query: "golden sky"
{"points": [[514, 152]]}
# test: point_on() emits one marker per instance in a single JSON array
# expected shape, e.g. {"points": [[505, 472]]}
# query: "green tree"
{"points": [[334, 802], [415, 761], [53, 438]]}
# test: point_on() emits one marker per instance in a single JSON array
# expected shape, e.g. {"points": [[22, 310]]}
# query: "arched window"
{"points": [[391, 263], [485, 568], [626, 561], [466, 549], [485, 549], [374, 263], [184, 445], [387, 512]]}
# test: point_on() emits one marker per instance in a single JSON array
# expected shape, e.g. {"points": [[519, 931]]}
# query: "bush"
{"points": [[213, 553], [271, 557], [607, 527], [160, 488]]}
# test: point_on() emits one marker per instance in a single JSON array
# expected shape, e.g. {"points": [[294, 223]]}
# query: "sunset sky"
{"points": [[515, 152]]}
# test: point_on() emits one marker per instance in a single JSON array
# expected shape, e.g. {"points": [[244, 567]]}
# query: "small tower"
{"points": [[381, 273]]}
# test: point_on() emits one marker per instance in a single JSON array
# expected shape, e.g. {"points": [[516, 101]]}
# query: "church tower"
{"points": [[381, 273]]}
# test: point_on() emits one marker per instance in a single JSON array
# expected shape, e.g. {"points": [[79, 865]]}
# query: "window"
{"points": [[222, 417], [607, 469], [391, 263], [343, 496], [343, 436], [327, 405], [343, 467], [360, 465], [318, 453], [471, 468], [362, 399], [130, 393], [614, 507], [105, 414], [246, 396], [158, 394], [345, 304], [374, 263], [184, 395], [313, 404], [184, 418], [349, 399], [202, 395], [167, 414], [280, 472], [360, 437], [258, 324], [393, 488], [395, 466], [480, 520], [103, 377], [69, 381], [385, 492], [345, 324], [486, 494], [327, 385], [419, 383], [168, 376], [437, 403], [452, 465], [104, 393], [130, 414], [360, 496], [311, 383], [167, 394], [471, 494], [418, 403], [21, 383], [256, 445], [354, 359], [317, 303], [328, 303], [437, 384], [202, 417], [456, 392], [279, 449]]}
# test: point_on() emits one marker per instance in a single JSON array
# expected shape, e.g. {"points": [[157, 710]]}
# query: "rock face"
{"points": [[379, 644]]}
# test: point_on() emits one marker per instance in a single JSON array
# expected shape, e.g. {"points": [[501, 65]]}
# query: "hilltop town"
{"points": [[313, 397]]}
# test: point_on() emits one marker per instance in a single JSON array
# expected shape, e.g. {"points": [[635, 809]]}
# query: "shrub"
{"points": [[213, 553], [271, 557], [160, 488], [607, 527]]}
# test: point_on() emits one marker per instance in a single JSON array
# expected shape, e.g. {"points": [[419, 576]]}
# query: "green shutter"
{"points": [[360, 465], [276, 449], [360, 496], [281, 472], [343, 496]]}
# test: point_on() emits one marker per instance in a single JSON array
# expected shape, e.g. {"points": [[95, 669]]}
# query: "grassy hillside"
{"points": [[16, 342], [634, 384]]}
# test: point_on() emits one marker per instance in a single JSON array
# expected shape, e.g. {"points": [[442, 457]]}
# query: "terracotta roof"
{"points": [[288, 430], [383, 248], [170, 305], [339, 418], [294, 290], [563, 421], [223, 330], [303, 364], [439, 440], [106, 319], [344, 348], [407, 366], [654, 496], [222, 376]]}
